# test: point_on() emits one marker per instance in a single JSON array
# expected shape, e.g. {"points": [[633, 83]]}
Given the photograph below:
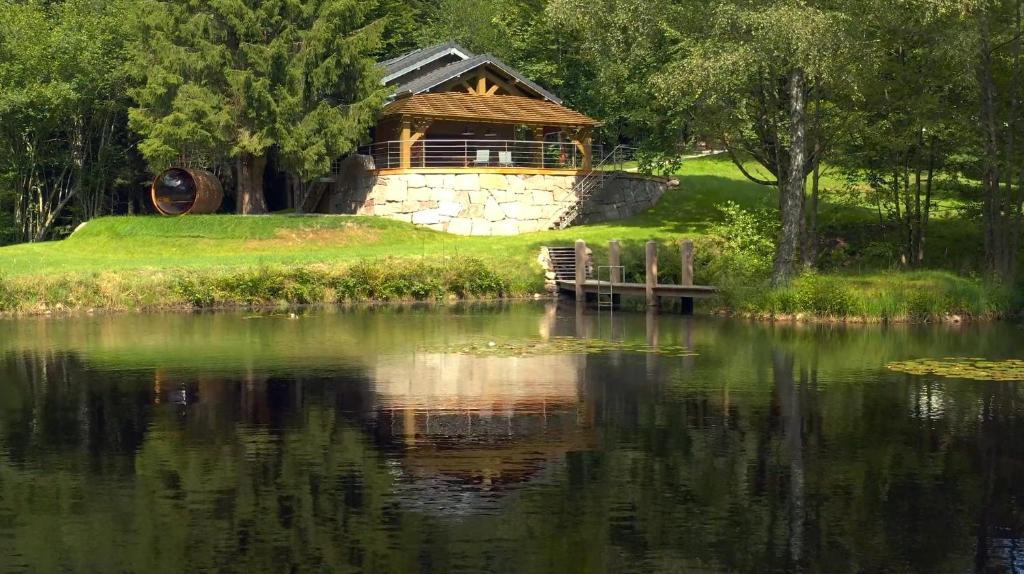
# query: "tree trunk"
{"points": [[991, 180], [791, 411], [922, 230], [791, 193], [251, 200], [1011, 211]]}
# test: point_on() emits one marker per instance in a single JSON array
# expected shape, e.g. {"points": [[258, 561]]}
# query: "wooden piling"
{"points": [[686, 276], [651, 274], [581, 269], [615, 260], [686, 251]]}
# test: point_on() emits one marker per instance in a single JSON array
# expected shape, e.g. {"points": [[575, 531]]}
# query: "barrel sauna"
{"points": [[179, 190]]}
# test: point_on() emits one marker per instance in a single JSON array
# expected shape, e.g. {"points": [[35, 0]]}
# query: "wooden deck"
{"points": [[571, 267], [640, 289]]}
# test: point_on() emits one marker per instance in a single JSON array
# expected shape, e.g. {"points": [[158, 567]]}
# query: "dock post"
{"points": [[615, 274], [581, 270], [686, 250], [651, 274], [686, 278], [615, 260]]}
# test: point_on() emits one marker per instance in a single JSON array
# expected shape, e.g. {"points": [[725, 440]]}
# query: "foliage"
{"points": [[748, 236], [896, 297], [236, 81], [62, 114]]}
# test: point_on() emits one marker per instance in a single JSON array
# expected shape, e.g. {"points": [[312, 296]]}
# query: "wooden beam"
{"points": [[651, 274], [686, 277], [510, 89], [469, 88], [481, 85], [538, 137], [581, 270], [492, 90], [405, 145], [686, 252], [614, 261], [588, 159]]}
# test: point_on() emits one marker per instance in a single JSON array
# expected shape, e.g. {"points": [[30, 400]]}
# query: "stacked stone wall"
{"points": [[488, 203]]}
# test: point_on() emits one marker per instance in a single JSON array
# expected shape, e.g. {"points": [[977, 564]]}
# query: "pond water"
{"points": [[401, 440]]}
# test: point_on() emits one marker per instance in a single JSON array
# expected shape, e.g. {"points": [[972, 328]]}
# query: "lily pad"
{"points": [[973, 368], [555, 346]]}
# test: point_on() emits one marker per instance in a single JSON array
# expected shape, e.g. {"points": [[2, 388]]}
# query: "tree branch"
{"points": [[743, 170]]}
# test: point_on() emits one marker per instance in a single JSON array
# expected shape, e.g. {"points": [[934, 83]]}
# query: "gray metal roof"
{"points": [[402, 65], [437, 77]]}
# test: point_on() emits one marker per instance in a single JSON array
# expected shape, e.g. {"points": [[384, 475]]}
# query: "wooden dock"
{"points": [[572, 277], [640, 290]]}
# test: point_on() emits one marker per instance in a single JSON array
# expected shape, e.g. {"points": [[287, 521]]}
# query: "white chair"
{"points": [[505, 158], [483, 157]]}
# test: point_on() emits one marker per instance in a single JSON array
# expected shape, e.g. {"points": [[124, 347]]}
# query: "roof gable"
{"points": [[401, 76], [406, 64]]}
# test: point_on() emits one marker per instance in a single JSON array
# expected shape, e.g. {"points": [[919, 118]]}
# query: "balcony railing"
{"points": [[482, 153]]}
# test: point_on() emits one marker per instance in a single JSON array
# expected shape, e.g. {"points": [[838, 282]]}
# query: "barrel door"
{"points": [[179, 191]]}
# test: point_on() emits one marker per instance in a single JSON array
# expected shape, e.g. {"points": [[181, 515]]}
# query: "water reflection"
{"points": [[342, 442], [470, 428]]}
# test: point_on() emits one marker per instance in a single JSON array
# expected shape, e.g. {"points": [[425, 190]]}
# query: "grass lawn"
{"points": [[147, 246], [216, 241]]}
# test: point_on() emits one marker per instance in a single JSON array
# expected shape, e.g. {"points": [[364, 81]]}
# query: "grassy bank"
{"points": [[127, 263], [365, 280]]}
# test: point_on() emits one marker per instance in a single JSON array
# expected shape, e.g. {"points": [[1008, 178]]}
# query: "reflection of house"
{"points": [[468, 144], [467, 423]]}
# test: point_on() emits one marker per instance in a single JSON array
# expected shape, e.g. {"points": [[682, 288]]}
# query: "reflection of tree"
{"points": [[258, 471], [789, 398]]}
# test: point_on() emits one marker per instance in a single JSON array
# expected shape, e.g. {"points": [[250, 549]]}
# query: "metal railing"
{"points": [[481, 153], [607, 167]]}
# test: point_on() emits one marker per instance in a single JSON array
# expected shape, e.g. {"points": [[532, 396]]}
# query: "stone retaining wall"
{"points": [[485, 203]]}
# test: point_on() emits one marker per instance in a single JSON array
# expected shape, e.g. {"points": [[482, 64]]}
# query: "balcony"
{"points": [[470, 154]]}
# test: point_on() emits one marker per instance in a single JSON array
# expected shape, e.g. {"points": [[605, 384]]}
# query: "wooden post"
{"points": [[581, 269], [405, 141], [686, 279], [582, 140], [614, 261], [686, 250], [588, 159], [538, 137], [651, 274]]}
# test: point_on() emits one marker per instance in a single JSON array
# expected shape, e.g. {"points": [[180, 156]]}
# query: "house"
{"points": [[468, 144]]}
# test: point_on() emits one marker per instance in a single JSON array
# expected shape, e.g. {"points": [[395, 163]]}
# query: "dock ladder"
{"points": [[606, 297]]}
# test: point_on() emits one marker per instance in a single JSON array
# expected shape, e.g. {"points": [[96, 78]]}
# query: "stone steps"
{"points": [[563, 262]]}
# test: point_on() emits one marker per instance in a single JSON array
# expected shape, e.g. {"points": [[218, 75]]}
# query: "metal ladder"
{"points": [[606, 299]]}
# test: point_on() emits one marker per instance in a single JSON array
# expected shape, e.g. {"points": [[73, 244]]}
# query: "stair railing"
{"points": [[592, 180]]}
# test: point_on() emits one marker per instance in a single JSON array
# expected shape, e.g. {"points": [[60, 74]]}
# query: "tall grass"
{"points": [[921, 296], [367, 280]]}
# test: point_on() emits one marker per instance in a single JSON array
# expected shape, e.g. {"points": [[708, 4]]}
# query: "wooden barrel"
{"points": [[179, 191]]}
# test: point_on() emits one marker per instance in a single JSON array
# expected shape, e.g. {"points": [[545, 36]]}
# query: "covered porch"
{"points": [[462, 131]]}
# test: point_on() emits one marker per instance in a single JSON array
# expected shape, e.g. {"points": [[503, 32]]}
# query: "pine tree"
{"points": [[231, 81]]}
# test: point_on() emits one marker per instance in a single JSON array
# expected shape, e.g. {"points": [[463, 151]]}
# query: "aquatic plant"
{"points": [[555, 346], [963, 368]]}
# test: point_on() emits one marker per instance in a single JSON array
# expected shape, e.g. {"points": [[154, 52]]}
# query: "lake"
{"points": [[502, 438]]}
